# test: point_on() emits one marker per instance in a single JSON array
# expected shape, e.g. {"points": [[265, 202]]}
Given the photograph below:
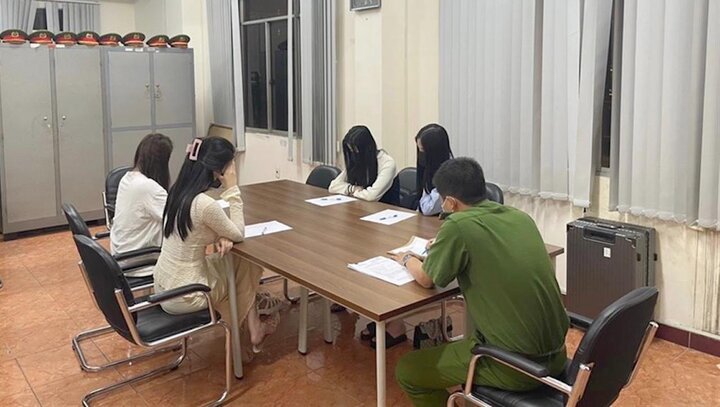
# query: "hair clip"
{"points": [[193, 150]]}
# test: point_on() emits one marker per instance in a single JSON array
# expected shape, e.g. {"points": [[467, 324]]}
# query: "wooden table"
{"points": [[315, 254]]}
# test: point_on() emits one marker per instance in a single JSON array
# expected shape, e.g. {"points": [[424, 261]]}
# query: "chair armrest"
{"points": [[513, 360], [177, 292], [135, 253], [579, 321], [102, 235]]}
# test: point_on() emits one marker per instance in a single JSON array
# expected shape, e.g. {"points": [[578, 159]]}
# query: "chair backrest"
{"points": [[322, 175], [612, 344], [409, 194], [392, 196], [494, 193], [76, 222], [104, 276], [112, 182]]}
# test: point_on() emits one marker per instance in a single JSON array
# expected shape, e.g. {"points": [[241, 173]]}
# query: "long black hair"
{"points": [[436, 150], [196, 177], [360, 153], [152, 157]]}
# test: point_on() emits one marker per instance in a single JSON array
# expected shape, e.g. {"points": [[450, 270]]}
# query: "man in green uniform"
{"points": [[499, 259]]}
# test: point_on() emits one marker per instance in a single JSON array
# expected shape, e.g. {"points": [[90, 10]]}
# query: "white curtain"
{"points": [[318, 80], [17, 14], [709, 208], [661, 111], [80, 17], [221, 62], [516, 95]]}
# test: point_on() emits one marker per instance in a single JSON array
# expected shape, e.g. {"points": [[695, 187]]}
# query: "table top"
{"points": [[324, 240]]}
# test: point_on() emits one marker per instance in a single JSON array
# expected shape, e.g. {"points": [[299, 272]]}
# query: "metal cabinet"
{"points": [[51, 140], [149, 91]]}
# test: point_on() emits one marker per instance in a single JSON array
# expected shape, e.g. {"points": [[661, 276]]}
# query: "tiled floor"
{"points": [[44, 303]]}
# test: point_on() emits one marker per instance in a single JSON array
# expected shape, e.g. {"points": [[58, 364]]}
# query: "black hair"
{"points": [[436, 150], [360, 153], [196, 177], [461, 178], [152, 157]]}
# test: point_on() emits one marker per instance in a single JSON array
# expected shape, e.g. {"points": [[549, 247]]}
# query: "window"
{"points": [[608, 122], [265, 59], [41, 19]]}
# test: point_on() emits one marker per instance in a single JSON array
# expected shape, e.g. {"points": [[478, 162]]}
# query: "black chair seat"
{"points": [[134, 282], [154, 323], [542, 397]]}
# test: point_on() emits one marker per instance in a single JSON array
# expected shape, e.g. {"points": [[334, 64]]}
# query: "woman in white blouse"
{"points": [[433, 149], [141, 197], [369, 173]]}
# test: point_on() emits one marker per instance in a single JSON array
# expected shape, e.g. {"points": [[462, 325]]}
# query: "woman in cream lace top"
{"points": [[193, 221]]}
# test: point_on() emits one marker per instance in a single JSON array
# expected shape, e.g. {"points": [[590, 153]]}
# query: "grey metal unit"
{"points": [[51, 143], [606, 260], [147, 91]]}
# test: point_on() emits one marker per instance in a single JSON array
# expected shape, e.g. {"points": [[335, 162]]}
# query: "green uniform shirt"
{"points": [[504, 272]]}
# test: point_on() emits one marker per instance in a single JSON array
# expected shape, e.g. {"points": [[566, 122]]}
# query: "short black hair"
{"points": [[461, 178]]}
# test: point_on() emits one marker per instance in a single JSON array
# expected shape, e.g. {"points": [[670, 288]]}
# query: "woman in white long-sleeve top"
{"points": [[193, 221], [369, 173], [433, 149]]}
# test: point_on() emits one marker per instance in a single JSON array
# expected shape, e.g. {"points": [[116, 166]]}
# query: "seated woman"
{"points": [[369, 173], [194, 221], [141, 197], [433, 149]]}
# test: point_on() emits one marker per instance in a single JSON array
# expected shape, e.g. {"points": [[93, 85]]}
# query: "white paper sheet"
{"points": [[416, 246], [388, 217], [384, 269], [265, 228], [331, 200]]}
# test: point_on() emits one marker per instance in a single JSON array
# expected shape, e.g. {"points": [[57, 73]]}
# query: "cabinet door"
{"points": [[80, 127], [129, 89], [27, 135], [174, 88], [180, 137], [123, 146]]}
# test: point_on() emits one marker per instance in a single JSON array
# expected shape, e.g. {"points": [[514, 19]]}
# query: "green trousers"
{"points": [[425, 375]]}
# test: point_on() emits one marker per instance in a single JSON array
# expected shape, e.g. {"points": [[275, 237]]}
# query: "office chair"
{"points": [[142, 321], [494, 193], [605, 362], [109, 196], [322, 175], [409, 194], [129, 261]]}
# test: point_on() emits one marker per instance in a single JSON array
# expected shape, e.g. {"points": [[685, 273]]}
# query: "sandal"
{"points": [[271, 324], [390, 340], [267, 304]]}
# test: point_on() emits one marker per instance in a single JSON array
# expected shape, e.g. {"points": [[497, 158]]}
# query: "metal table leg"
{"points": [[327, 321], [380, 362], [302, 325], [234, 327]]}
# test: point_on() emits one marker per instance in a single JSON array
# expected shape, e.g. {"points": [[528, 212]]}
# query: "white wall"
{"points": [[117, 18]]}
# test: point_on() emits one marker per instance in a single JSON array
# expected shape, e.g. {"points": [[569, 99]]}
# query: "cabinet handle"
{"points": [[64, 117]]}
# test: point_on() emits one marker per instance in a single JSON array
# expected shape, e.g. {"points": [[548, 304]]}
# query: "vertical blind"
{"points": [[668, 161], [318, 80], [511, 77], [220, 51]]}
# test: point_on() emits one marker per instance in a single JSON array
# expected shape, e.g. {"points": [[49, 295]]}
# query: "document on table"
{"points": [[385, 269], [389, 217], [265, 228], [416, 246], [331, 200]]}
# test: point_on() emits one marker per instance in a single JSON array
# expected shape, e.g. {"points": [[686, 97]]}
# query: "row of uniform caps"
{"points": [[133, 39]]}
